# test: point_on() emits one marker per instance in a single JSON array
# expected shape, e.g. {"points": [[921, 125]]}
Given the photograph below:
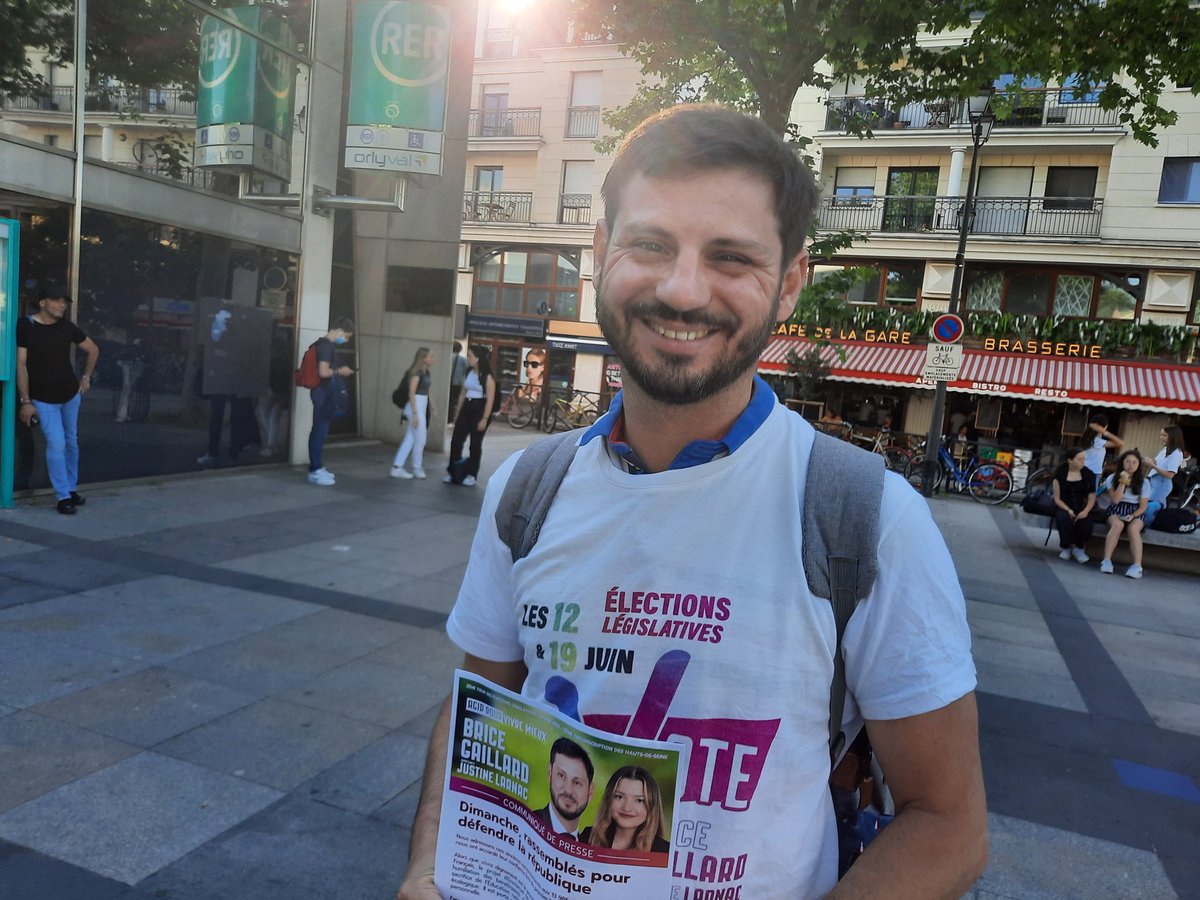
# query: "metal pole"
{"points": [[933, 440]]}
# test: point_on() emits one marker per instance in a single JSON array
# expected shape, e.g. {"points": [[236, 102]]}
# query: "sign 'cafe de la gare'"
{"points": [[1016, 366]]}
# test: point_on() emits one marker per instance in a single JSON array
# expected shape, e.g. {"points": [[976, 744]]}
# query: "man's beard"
{"points": [[565, 813], [668, 379]]}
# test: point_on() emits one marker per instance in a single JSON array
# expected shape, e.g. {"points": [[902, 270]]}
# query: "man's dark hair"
{"points": [[343, 324], [1099, 419], [567, 747], [696, 137], [457, 347], [53, 291]]}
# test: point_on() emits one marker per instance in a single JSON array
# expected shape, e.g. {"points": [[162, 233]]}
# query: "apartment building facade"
{"points": [[531, 196], [1081, 237]]}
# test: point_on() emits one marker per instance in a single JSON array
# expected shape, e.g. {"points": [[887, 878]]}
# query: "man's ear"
{"points": [[791, 284]]}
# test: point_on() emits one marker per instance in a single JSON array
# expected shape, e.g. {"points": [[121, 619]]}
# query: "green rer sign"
{"points": [[246, 92], [400, 66], [398, 87]]}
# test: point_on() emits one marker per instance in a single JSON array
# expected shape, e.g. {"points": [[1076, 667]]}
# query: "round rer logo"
{"points": [[410, 43]]}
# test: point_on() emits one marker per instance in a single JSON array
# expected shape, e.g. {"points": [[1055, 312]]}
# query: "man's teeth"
{"points": [[681, 335]]}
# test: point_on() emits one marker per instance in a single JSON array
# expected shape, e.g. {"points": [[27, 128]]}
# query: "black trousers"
{"points": [[467, 425], [1072, 532]]}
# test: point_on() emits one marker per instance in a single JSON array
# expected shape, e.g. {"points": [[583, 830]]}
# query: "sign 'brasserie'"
{"points": [[1029, 346]]}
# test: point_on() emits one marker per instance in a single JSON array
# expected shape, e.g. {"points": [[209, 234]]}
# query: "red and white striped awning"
{"points": [[1149, 387]]}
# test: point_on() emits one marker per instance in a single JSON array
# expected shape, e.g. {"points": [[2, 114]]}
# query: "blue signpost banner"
{"points": [[9, 249]]}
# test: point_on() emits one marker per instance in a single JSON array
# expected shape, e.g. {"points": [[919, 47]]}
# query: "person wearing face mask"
{"points": [[323, 397]]}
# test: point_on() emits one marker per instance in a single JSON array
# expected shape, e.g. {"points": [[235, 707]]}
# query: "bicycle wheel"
{"points": [[990, 483], [897, 458], [549, 423], [915, 473], [521, 413], [1038, 482]]}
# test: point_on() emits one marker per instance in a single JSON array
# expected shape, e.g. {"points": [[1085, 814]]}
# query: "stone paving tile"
{"points": [[316, 852], [355, 578], [1032, 635], [274, 743], [1029, 860], [369, 692], [260, 664], [14, 592], [38, 667], [336, 631], [146, 707], [64, 570], [13, 547], [1174, 714], [1021, 684], [1153, 650], [28, 875], [1043, 660], [430, 654], [129, 820], [38, 754], [401, 809], [372, 777]]}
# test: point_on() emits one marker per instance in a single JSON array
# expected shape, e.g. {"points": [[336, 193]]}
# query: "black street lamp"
{"points": [[982, 119]]}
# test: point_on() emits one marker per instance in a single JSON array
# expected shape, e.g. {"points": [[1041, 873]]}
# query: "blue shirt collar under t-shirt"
{"points": [[611, 427]]}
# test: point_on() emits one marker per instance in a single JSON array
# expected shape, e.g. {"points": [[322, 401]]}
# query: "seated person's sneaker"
{"points": [[1106, 566], [1080, 556], [469, 481], [1134, 571], [1064, 554]]}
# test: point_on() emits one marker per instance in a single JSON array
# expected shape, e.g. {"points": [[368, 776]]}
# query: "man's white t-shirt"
{"points": [[674, 606]]}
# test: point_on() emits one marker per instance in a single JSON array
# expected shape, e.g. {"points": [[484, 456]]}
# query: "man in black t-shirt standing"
{"points": [[49, 388]]}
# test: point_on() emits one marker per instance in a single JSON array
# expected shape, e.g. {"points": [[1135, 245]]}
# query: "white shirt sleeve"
{"points": [[908, 645], [484, 622]]}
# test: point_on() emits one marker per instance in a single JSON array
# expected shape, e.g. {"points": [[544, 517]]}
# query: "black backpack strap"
{"points": [[840, 528], [530, 490]]}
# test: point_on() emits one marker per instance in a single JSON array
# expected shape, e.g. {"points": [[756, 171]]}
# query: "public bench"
{"points": [[1160, 549]]}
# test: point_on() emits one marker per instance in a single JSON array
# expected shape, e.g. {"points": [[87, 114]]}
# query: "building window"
{"points": [[853, 185], [1036, 292], [1180, 180], [910, 199], [583, 116], [533, 283], [1074, 90], [575, 202], [1076, 185], [489, 178], [495, 112], [891, 283]]}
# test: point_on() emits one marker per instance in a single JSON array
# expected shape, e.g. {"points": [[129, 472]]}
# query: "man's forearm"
{"points": [[920, 855], [422, 848], [22, 382]]}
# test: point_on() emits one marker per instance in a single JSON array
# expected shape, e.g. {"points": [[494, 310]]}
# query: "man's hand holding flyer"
{"points": [[536, 804]]}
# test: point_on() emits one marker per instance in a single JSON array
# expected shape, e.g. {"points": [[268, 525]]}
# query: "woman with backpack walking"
{"points": [[417, 410], [474, 414]]}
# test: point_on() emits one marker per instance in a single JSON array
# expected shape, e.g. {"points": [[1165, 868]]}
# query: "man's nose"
{"points": [[685, 284]]}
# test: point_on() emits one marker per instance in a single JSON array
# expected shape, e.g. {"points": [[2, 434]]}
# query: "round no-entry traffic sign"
{"points": [[947, 329]]}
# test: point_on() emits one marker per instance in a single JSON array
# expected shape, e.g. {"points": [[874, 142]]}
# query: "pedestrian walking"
{"points": [[458, 375], [325, 397], [472, 418], [417, 409], [49, 390]]}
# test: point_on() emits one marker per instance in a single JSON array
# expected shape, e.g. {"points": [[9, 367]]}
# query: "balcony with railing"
{"points": [[498, 206], [504, 123], [575, 209], [583, 121], [940, 216], [121, 101], [1025, 108]]}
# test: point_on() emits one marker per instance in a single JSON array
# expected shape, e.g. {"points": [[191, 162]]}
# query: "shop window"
{"points": [[415, 289], [903, 284], [889, 284], [984, 293], [1180, 180], [1028, 293], [1116, 302], [1195, 320], [1073, 295], [533, 283], [1075, 185]]}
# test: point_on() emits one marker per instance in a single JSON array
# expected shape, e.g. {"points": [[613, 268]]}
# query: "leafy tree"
{"points": [[755, 55]]}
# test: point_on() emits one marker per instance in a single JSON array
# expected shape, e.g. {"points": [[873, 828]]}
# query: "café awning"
{"points": [[1124, 384]]}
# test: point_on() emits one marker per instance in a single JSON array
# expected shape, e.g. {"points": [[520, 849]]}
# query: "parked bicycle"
{"points": [[577, 410], [984, 480], [895, 457], [520, 405]]}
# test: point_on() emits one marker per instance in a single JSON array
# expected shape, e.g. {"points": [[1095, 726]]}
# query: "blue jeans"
{"points": [[322, 408], [60, 424]]}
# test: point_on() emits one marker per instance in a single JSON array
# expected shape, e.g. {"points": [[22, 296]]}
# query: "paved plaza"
{"points": [[222, 686]]}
